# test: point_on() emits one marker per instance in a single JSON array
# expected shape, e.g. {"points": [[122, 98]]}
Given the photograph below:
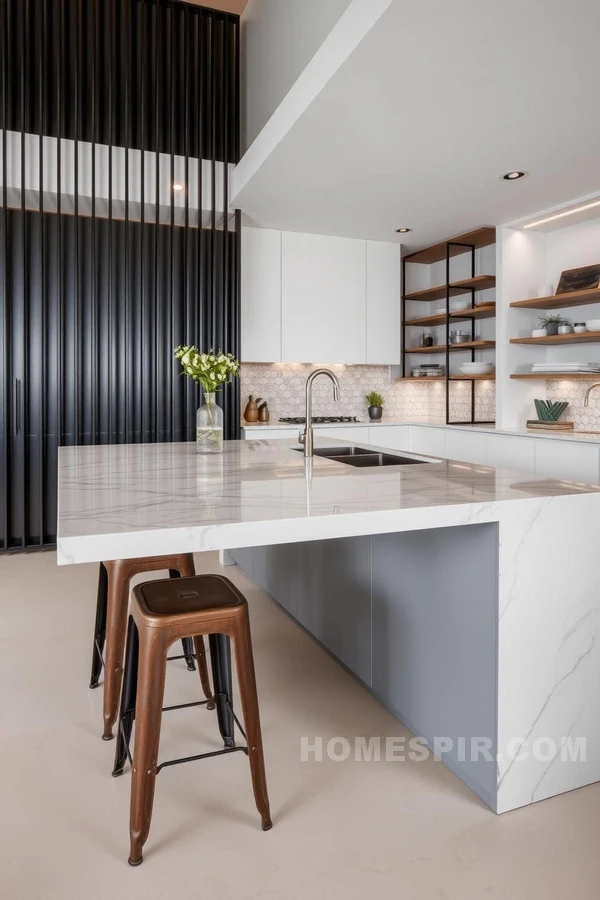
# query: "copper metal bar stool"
{"points": [[111, 620], [161, 613]]}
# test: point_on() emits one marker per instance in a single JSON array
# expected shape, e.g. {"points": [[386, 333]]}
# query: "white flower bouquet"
{"points": [[211, 370]]}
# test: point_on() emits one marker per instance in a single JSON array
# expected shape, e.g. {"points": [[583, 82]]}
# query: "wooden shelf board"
{"points": [[550, 340], [479, 283], [478, 312], [438, 319], [558, 376], [441, 348], [490, 377], [480, 237], [560, 301]]}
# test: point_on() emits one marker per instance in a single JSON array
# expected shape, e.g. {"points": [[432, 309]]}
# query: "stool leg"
{"points": [[128, 698], [116, 621], [220, 657], [203, 670], [186, 643], [148, 712], [249, 698], [99, 627]]}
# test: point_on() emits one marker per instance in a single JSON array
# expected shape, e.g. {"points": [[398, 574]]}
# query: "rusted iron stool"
{"points": [[111, 620], [161, 613]]}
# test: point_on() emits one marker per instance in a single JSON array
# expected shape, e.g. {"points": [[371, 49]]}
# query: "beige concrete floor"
{"points": [[342, 830]]}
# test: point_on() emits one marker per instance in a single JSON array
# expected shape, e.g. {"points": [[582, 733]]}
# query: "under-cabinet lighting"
{"points": [[561, 215]]}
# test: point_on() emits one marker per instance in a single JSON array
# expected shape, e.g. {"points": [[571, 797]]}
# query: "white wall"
{"points": [[279, 38]]}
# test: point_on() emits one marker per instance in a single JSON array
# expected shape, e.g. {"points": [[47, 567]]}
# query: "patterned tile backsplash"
{"points": [[586, 418], [282, 384]]}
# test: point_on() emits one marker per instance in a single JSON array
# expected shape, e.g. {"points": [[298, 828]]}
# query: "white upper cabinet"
{"points": [[261, 295], [324, 299], [383, 303], [317, 298]]}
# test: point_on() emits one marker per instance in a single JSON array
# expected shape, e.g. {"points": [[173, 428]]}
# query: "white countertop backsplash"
{"points": [[283, 385]]}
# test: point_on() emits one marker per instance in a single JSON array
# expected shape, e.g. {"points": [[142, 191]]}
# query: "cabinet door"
{"points": [[334, 599], [383, 303], [506, 452], [324, 302], [390, 437], [571, 461], [361, 435], [430, 441], [465, 446], [271, 434], [260, 300]]}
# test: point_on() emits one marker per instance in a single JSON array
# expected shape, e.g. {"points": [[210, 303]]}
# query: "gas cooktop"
{"points": [[318, 420]]}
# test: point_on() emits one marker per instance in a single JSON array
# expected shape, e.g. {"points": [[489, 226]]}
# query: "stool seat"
{"points": [[197, 593]]}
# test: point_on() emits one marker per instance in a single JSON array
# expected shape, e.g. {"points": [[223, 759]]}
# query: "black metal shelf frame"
{"points": [[468, 248]]}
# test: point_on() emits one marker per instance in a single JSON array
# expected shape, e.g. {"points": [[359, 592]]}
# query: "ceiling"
{"points": [[436, 102], [231, 6]]}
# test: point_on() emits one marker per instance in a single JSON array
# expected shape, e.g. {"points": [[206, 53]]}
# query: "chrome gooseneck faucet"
{"points": [[307, 438], [586, 401]]}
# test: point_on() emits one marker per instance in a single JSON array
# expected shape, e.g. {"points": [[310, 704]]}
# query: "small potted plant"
{"points": [[375, 404], [550, 324]]}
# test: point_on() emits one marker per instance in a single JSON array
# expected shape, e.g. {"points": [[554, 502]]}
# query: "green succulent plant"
{"points": [[549, 411], [553, 320], [374, 399]]}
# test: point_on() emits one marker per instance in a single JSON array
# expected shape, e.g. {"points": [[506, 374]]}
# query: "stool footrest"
{"points": [[184, 759]]}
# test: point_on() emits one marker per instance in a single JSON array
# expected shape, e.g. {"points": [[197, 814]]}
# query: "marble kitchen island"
{"points": [[464, 597]]}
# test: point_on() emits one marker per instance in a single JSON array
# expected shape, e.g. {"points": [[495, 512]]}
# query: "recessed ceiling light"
{"points": [[512, 176], [177, 187], [403, 230], [561, 215]]}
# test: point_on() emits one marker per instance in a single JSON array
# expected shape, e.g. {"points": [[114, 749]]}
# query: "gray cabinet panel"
{"points": [[434, 638], [276, 571], [334, 599]]}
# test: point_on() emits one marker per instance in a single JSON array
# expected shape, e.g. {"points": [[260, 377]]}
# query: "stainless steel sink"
{"points": [[362, 458]]}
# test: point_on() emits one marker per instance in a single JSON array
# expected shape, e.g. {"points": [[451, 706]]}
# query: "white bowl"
{"points": [[593, 325], [459, 305], [539, 332]]}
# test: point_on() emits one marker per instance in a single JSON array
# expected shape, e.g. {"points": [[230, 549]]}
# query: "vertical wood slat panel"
{"points": [[100, 301], [5, 384]]}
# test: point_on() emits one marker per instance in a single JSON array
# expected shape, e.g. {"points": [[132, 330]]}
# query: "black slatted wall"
{"points": [[104, 268]]}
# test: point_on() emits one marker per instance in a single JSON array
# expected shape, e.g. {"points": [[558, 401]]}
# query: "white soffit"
{"points": [[415, 126]]}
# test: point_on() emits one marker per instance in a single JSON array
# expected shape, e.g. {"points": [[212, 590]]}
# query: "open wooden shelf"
{"points": [[479, 283], [588, 337], [558, 376], [478, 312], [561, 301], [490, 377], [437, 319], [480, 237], [441, 348]]}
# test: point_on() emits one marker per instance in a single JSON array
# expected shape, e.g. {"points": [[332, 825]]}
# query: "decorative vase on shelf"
{"points": [[209, 425]]}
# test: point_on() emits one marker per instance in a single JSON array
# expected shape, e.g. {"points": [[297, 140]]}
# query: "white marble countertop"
{"points": [[131, 500], [579, 436]]}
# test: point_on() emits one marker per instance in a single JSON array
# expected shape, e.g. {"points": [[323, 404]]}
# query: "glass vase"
{"points": [[209, 425]]}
